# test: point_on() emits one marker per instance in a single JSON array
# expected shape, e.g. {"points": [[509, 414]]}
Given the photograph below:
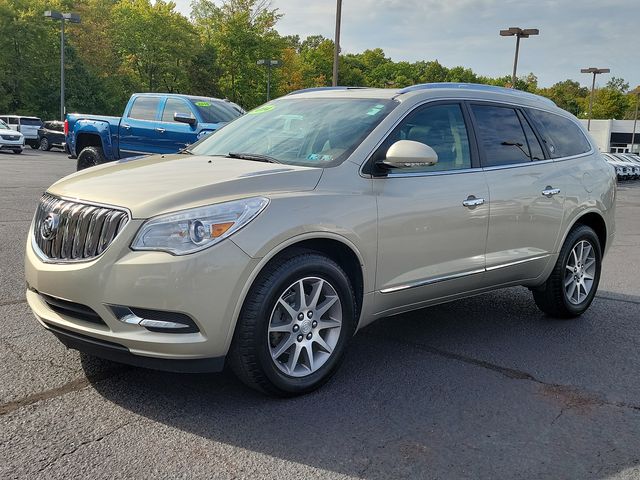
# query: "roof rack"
{"points": [[475, 86], [320, 89]]}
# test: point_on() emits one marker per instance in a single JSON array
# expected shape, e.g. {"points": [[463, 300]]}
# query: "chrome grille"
{"points": [[83, 231], [10, 137]]}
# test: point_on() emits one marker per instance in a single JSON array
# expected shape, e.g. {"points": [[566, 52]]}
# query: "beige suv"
{"points": [[266, 245]]}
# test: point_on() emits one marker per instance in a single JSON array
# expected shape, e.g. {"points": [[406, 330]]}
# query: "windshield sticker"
{"points": [[262, 109], [202, 104], [318, 156], [375, 109]]}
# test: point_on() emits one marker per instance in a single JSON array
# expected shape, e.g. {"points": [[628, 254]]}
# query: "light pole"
{"points": [[595, 72], [268, 63], [518, 33], [63, 17], [636, 92], [336, 44]]}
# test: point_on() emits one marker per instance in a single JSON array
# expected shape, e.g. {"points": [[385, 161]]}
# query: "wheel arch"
{"points": [[336, 247], [596, 222]]}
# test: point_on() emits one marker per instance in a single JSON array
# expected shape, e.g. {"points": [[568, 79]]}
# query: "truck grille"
{"points": [[68, 231], [10, 137]]}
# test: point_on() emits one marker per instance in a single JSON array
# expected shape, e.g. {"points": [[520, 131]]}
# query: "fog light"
{"points": [[155, 320]]}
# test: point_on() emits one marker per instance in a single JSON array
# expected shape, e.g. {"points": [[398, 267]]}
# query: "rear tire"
{"points": [[44, 144], [280, 348], [90, 157], [573, 283]]}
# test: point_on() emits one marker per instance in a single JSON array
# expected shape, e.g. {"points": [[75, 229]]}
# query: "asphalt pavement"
{"points": [[485, 387]]}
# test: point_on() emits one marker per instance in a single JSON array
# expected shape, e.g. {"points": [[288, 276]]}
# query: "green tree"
{"points": [[567, 94]]}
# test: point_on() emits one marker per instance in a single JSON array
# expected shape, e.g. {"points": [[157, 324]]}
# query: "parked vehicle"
{"points": [[51, 135], [632, 160], [624, 168], [10, 139], [266, 245], [152, 123], [28, 126]]}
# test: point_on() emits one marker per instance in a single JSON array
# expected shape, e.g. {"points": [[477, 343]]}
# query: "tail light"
{"points": [[66, 127]]}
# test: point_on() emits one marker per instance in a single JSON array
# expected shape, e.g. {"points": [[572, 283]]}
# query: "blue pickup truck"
{"points": [[152, 123]]}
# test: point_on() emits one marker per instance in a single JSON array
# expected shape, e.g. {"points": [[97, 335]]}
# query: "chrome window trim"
{"points": [[495, 167], [41, 255], [431, 174]]}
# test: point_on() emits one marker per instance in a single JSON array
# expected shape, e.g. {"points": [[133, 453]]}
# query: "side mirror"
{"points": [[408, 153], [184, 118]]}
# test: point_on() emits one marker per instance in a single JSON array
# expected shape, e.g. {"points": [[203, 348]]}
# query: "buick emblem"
{"points": [[49, 226]]}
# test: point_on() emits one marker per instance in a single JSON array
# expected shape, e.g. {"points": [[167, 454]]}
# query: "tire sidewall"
{"points": [[89, 157], [328, 271], [44, 144], [582, 233]]}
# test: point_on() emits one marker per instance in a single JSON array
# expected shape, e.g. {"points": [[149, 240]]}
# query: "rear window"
{"points": [[562, 136], [144, 108], [501, 135], [55, 126], [35, 122]]}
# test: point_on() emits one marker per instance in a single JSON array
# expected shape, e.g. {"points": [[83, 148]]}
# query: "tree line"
{"points": [[126, 46]]}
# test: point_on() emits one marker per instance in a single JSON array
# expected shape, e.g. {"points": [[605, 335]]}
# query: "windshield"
{"points": [[215, 111], [3, 126], [318, 132]]}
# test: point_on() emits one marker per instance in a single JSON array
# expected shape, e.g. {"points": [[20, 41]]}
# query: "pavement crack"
{"points": [[4, 303], [72, 386], [571, 397], [85, 443]]}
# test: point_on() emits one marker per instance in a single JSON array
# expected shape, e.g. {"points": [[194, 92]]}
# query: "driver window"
{"points": [[442, 127]]}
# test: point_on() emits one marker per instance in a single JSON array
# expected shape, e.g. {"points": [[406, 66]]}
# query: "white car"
{"points": [[623, 169], [10, 139], [28, 126]]}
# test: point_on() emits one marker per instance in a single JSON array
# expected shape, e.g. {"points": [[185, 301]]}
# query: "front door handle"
{"points": [[125, 126], [472, 201], [160, 130], [549, 191]]}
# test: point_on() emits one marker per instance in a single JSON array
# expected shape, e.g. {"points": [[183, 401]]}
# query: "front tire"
{"points": [[573, 283], [294, 325], [17, 151], [90, 157], [44, 144]]}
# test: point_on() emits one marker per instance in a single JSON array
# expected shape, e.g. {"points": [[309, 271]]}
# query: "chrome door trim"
{"points": [[430, 174], [421, 283], [517, 262]]}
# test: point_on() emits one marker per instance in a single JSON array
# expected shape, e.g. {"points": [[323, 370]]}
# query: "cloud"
{"points": [[573, 34]]}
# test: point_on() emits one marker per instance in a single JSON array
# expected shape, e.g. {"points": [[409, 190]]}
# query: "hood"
{"points": [[158, 184], [11, 132]]}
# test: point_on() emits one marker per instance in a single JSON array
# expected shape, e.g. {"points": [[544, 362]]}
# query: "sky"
{"points": [[573, 34]]}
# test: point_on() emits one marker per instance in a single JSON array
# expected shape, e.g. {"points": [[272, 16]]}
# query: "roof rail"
{"points": [[476, 86], [320, 89]]}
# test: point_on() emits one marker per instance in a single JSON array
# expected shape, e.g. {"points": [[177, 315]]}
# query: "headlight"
{"points": [[192, 230]]}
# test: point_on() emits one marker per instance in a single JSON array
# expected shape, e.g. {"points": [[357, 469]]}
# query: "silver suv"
{"points": [[267, 244]]}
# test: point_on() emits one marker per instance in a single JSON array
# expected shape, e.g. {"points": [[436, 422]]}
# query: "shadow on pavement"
{"points": [[485, 387]]}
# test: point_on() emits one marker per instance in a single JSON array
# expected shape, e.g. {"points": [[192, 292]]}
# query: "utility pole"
{"points": [[336, 44], [518, 33], [595, 71], [68, 17], [636, 92]]}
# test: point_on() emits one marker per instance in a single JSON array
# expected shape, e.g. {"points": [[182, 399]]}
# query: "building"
{"points": [[615, 135]]}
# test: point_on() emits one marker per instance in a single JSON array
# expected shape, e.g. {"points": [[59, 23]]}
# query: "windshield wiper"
{"points": [[185, 151], [256, 157]]}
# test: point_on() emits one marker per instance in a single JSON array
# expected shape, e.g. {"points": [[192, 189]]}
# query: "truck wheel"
{"points": [[294, 326], [44, 144], [90, 157], [573, 283]]}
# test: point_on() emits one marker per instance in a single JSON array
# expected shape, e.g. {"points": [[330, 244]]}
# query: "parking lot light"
{"points": [[635, 92], [595, 71], [518, 33], [63, 17], [269, 63]]}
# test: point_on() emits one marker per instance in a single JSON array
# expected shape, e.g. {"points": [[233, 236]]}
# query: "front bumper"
{"points": [[11, 144], [206, 286]]}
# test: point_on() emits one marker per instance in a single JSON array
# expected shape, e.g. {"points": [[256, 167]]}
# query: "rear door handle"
{"points": [[472, 201], [550, 191], [160, 130]]}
